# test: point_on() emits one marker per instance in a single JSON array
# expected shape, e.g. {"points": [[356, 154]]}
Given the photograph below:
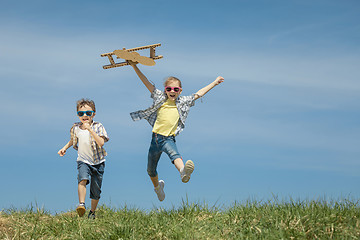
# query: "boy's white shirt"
{"points": [[85, 152], [99, 153]]}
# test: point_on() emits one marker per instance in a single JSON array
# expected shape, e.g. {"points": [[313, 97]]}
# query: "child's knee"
{"points": [[84, 182], [152, 172], [95, 193]]}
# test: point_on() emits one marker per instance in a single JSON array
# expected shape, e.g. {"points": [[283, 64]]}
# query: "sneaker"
{"points": [[81, 209], [160, 190], [186, 171], [91, 215]]}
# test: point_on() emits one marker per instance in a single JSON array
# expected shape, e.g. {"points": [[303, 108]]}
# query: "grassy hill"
{"points": [[249, 220]]}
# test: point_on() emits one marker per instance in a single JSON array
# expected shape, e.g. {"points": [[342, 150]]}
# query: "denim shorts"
{"points": [[159, 144], [85, 171]]}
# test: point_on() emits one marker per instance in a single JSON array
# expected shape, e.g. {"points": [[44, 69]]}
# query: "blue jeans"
{"points": [[96, 172], [159, 144]]}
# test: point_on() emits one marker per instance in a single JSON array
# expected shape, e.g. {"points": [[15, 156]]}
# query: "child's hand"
{"points": [[86, 126], [62, 152], [218, 80]]}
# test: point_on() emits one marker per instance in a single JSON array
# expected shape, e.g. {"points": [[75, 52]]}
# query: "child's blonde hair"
{"points": [[82, 102], [172, 78]]}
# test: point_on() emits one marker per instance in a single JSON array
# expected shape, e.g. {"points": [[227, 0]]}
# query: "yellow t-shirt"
{"points": [[167, 119]]}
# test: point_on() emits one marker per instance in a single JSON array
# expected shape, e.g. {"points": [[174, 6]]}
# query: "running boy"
{"points": [[167, 116], [88, 138]]}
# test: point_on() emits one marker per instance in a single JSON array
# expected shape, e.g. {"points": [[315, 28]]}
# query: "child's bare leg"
{"points": [[94, 204], [82, 191], [179, 164], [155, 181]]}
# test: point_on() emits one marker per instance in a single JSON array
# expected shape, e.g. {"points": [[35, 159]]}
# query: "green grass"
{"points": [[249, 220]]}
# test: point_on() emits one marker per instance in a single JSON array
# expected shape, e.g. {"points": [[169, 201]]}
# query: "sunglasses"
{"points": [[88, 113], [176, 89]]}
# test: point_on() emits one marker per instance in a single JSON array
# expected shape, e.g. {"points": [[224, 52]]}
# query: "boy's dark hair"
{"points": [[82, 102]]}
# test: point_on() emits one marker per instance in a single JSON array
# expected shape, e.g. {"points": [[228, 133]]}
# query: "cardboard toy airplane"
{"points": [[132, 55]]}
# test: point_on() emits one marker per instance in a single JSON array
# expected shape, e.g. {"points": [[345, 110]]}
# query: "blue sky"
{"points": [[284, 123]]}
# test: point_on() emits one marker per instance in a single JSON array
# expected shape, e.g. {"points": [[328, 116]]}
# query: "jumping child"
{"points": [[88, 138], [167, 117]]}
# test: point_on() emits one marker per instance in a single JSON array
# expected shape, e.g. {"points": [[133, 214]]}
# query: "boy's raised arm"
{"points": [[204, 90], [142, 77], [99, 140]]}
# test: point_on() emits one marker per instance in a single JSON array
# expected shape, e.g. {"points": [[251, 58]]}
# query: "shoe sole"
{"points": [[189, 168], [80, 211]]}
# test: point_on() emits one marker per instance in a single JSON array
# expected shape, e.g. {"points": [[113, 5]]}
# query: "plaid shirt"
{"points": [[183, 104], [99, 153]]}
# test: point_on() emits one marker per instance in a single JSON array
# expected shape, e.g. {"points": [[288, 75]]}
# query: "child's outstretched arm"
{"points": [[142, 77], [204, 90], [62, 151]]}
